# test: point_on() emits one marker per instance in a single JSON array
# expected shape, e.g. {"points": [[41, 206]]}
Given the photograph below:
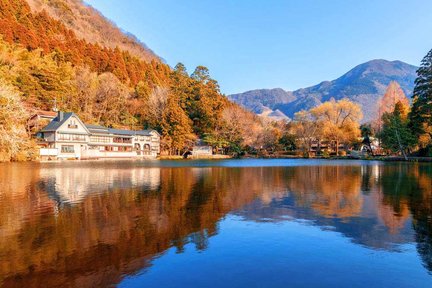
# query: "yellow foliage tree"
{"points": [[338, 121], [14, 141]]}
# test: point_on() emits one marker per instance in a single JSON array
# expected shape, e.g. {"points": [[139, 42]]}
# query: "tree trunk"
{"points": [[400, 145]]}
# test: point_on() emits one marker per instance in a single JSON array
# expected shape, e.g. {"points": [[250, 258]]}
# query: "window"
{"points": [[78, 137], [122, 140], [124, 149], [72, 124], [71, 137], [100, 139], [64, 137], [67, 149]]}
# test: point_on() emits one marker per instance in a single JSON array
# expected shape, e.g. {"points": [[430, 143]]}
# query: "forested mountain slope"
{"points": [[90, 25]]}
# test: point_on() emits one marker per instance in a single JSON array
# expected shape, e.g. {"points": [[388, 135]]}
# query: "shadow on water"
{"points": [[89, 225]]}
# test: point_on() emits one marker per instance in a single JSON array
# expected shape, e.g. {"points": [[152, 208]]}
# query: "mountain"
{"points": [[364, 84], [90, 25]]}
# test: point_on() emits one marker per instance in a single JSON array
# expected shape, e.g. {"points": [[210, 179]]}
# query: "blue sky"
{"points": [[249, 44]]}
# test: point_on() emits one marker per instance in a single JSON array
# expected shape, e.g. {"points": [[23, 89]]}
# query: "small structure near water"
{"points": [[201, 150]]}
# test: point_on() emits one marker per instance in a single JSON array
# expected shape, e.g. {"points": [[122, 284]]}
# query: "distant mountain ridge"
{"points": [[364, 84]]}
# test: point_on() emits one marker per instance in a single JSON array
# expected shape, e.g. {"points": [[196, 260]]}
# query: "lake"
{"points": [[230, 223]]}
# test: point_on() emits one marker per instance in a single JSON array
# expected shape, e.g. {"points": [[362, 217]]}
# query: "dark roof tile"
{"points": [[56, 123]]}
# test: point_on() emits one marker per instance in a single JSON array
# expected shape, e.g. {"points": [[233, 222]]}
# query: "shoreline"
{"points": [[227, 157]]}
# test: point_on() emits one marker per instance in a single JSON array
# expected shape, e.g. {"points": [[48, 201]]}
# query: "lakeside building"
{"points": [[67, 137], [39, 119], [201, 150]]}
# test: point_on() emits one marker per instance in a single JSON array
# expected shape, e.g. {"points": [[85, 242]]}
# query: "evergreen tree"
{"points": [[421, 112], [395, 134], [176, 127]]}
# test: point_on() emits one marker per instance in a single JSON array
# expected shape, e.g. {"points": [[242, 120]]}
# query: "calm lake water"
{"points": [[233, 223]]}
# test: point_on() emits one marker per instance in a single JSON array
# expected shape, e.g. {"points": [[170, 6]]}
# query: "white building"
{"points": [[201, 150], [67, 137]]}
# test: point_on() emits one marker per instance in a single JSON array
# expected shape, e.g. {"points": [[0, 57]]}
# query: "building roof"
{"points": [[42, 113], [130, 132], [57, 122], [96, 129]]}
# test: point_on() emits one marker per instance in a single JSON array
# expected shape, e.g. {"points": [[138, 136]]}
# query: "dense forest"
{"points": [[43, 63]]}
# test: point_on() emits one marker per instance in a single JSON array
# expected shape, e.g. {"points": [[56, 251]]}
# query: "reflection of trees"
{"points": [[118, 225], [332, 191], [116, 231], [408, 188], [421, 209]]}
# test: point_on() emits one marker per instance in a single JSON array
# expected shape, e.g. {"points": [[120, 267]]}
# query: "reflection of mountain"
{"points": [[123, 215], [332, 197]]}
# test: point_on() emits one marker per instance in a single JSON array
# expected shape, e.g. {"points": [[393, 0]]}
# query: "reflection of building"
{"points": [[72, 184], [66, 136]]}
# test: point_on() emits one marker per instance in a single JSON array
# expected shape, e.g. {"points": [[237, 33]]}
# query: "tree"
{"points": [[338, 121], [86, 83], [111, 96], [205, 103], [393, 95], [176, 127], [421, 112], [201, 74], [306, 130], [14, 141], [156, 105], [180, 69], [236, 129], [367, 131], [287, 141], [395, 134]]}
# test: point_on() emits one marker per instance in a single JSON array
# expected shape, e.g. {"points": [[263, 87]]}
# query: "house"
{"points": [[201, 150], [39, 119], [67, 137]]}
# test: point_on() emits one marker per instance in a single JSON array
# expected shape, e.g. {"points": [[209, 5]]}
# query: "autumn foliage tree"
{"points": [[14, 143], [387, 103], [338, 121], [305, 128]]}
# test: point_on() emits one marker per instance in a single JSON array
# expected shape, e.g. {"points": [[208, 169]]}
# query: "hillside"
{"points": [[62, 53], [88, 24], [364, 84]]}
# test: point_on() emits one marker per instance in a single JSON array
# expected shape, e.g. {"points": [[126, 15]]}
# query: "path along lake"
{"points": [[231, 223]]}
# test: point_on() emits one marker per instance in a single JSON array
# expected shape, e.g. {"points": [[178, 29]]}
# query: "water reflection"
{"points": [[89, 225]]}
